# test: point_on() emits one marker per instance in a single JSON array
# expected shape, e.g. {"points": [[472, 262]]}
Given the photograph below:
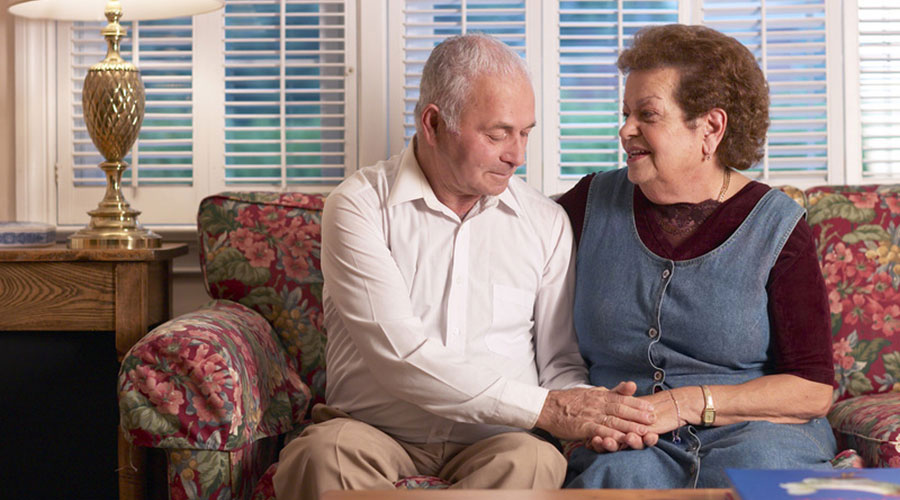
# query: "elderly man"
{"points": [[448, 295]]}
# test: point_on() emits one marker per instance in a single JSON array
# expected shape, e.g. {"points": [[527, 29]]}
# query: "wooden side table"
{"points": [[60, 289]]}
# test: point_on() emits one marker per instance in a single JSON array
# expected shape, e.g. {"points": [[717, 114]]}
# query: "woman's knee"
{"points": [[762, 444], [765, 445], [650, 468]]}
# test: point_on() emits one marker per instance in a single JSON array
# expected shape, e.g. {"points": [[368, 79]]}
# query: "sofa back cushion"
{"points": [[261, 249], [859, 250]]}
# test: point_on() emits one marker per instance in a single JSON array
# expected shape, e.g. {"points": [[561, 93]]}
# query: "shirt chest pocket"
{"points": [[511, 321]]}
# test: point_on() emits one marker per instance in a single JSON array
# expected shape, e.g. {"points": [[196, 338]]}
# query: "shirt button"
{"points": [[455, 332], [652, 333], [666, 273], [658, 375]]}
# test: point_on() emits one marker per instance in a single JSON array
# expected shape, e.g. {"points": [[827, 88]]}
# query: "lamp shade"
{"points": [[92, 10]]}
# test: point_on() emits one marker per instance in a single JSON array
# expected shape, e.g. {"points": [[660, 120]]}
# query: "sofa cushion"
{"points": [[219, 474], [261, 249], [213, 379], [847, 459], [856, 229], [871, 425]]}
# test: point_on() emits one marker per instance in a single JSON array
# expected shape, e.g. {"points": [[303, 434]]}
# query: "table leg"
{"points": [[131, 324], [132, 467]]}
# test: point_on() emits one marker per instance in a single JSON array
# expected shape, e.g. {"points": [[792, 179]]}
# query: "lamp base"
{"points": [[88, 238], [114, 224]]}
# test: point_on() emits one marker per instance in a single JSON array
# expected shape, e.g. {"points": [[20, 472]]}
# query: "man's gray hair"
{"points": [[455, 65]]}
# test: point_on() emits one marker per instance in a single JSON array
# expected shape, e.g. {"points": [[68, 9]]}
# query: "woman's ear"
{"points": [[715, 122], [431, 119]]}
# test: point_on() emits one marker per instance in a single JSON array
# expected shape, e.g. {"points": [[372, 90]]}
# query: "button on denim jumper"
{"points": [[667, 324]]}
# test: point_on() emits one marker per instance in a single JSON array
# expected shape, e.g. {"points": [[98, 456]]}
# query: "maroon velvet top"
{"points": [[798, 303]]}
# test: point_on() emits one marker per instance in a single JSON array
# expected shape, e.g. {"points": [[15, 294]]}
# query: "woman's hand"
{"points": [[672, 408], [607, 419], [781, 399]]}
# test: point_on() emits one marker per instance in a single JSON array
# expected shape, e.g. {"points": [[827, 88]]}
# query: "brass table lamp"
{"points": [[113, 104]]}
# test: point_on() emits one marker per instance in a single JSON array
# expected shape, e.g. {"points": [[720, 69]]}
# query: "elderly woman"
{"points": [[697, 283]]}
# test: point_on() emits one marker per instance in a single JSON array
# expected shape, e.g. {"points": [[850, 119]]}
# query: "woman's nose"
{"points": [[628, 129]]}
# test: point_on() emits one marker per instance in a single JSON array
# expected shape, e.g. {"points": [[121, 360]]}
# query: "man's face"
{"points": [[481, 157]]}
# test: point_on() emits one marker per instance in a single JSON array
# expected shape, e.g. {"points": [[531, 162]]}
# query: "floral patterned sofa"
{"points": [[222, 388], [856, 229]]}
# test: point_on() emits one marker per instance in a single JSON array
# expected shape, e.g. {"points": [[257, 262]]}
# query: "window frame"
{"points": [[379, 128], [43, 134]]}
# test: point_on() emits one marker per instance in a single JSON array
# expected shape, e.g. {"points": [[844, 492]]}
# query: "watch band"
{"points": [[709, 408]]}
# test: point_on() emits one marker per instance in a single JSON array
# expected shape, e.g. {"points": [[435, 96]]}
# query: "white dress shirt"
{"points": [[441, 329]]}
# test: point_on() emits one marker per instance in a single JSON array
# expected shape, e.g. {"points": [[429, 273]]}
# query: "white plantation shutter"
{"points": [[163, 152], [428, 22], [263, 93], [287, 92], [258, 95], [879, 86], [788, 39], [591, 35]]}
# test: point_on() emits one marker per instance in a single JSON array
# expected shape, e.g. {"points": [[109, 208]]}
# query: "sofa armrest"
{"points": [[871, 425], [214, 379]]}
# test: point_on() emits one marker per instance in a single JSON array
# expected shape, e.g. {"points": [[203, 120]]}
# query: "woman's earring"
{"points": [[707, 157]]}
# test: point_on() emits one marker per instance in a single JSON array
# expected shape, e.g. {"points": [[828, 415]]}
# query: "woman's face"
{"points": [[664, 152]]}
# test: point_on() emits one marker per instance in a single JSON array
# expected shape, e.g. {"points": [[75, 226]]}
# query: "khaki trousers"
{"points": [[340, 453]]}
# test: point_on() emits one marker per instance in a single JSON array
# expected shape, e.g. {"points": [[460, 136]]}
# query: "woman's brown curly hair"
{"points": [[716, 71]]}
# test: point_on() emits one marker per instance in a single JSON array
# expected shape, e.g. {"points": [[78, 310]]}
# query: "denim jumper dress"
{"points": [[665, 324]]}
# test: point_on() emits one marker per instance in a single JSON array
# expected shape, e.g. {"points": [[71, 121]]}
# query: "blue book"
{"points": [[838, 484]]}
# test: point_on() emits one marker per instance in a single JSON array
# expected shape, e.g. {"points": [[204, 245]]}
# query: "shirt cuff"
{"points": [[520, 404]]}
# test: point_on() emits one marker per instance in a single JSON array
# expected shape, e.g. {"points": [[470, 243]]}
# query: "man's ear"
{"points": [[431, 121], [715, 122]]}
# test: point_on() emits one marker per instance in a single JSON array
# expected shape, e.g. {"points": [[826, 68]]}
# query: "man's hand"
{"points": [[608, 419]]}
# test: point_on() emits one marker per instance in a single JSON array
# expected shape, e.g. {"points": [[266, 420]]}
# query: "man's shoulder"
{"points": [[374, 180]]}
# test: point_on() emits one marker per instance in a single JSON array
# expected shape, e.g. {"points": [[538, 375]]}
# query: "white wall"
{"points": [[187, 289], [7, 118]]}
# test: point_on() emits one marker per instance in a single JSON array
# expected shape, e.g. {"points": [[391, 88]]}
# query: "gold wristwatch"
{"points": [[709, 409]]}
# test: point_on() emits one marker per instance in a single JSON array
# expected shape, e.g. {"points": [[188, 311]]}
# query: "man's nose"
{"points": [[514, 154]]}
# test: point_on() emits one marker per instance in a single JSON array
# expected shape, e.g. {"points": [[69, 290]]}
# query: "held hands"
{"points": [[608, 419], [673, 409]]}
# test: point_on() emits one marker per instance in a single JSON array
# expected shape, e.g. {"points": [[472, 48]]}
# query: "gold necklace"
{"points": [[725, 182]]}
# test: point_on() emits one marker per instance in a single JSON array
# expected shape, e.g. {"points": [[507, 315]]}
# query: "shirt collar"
{"points": [[508, 199], [411, 184]]}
